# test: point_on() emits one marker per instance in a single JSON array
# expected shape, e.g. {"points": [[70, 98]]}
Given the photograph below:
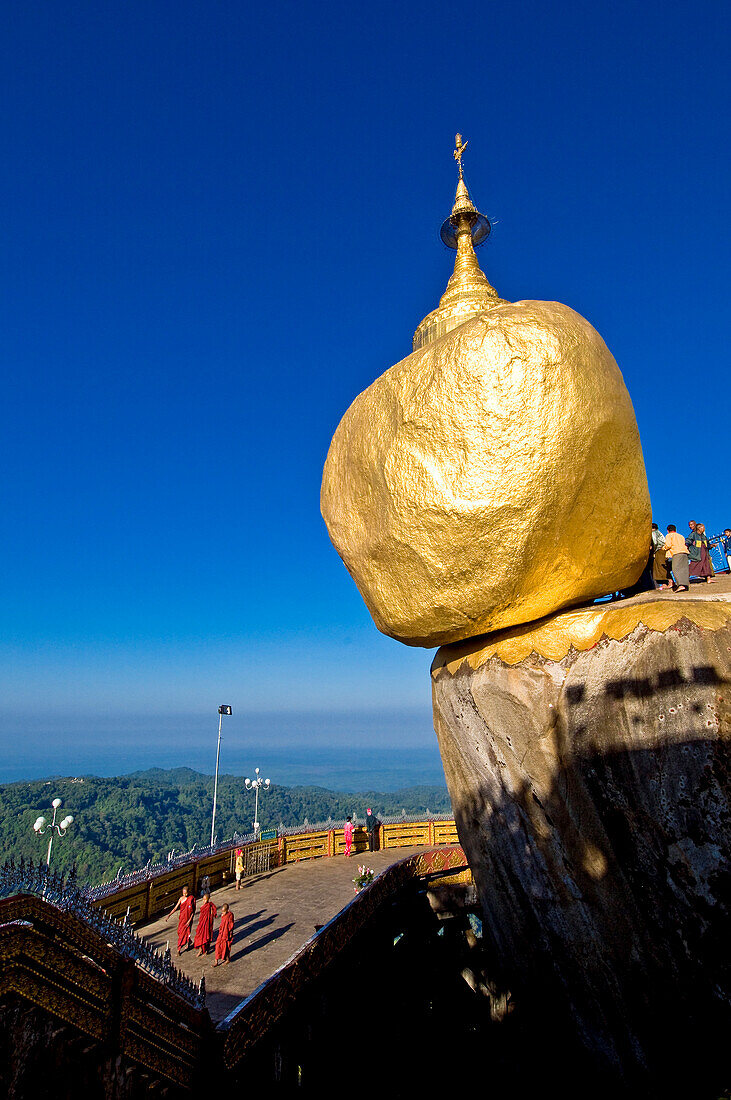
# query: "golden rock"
{"points": [[493, 476]]}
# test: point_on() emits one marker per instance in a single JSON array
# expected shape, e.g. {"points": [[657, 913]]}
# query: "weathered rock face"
{"points": [[473, 485], [591, 790]]}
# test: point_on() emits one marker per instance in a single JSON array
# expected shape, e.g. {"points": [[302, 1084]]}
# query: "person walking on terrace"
{"points": [[372, 824], [677, 551], [239, 867], [204, 931], [186, 905], [225, 936], [349, 833]]}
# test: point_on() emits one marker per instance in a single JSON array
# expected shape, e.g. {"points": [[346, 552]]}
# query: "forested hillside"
{"points": [[128, 820]]}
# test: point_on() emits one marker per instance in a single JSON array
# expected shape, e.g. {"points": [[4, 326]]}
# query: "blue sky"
{"points": [[220, 223]]}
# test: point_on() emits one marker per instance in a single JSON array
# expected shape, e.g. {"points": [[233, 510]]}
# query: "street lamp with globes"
{"points": [[256, 785], [42, 826]]}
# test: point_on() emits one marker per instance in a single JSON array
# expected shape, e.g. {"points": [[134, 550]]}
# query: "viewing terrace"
{"points": [[294, 884], [276, 912], [104, 960]]}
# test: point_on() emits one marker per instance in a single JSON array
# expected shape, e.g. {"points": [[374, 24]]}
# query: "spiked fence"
{"points": [[66, 894]]}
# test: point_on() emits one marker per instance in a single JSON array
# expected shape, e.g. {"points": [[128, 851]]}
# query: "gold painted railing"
{"points": [[150, 897]]}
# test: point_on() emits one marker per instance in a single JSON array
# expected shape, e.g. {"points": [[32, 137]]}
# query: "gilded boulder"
{"points": [[490, 478]]}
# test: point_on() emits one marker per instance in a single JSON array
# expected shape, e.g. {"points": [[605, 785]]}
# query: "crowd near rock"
{"points": [[677, 560]]}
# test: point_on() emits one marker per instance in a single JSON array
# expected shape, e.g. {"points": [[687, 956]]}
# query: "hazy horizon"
{"points": [[376, 750]]}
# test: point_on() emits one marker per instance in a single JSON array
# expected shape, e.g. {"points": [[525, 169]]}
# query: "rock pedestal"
{"points": [[587, 758]]}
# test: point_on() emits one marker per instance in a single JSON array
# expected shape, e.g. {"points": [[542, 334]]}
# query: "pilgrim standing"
{"points": [[726, 543], [186, 905], [239, 867], [225, 936], [677, 551], [700, 557], [660, 575], [372, 824], [204, 931], [349, 832]]}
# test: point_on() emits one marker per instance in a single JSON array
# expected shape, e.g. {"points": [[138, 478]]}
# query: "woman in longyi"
{"points": [[699, 553], [186, 905], [204, 931]]}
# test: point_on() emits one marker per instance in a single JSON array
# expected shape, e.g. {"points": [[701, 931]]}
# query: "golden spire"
{"points": [[468, 290], [457, 154]]}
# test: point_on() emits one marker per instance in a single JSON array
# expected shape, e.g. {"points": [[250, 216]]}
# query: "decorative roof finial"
{"points": [[458, 153], [464, 214]]}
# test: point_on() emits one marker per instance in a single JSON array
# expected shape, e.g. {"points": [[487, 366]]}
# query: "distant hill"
{"points": [[130, 819]]}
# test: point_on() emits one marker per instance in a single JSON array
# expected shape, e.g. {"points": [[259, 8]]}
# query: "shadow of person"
{"points": [[275, 934], [252, 929], [246, 918]]}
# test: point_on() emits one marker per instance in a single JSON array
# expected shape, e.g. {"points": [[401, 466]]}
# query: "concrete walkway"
{"points": [[275, 913]]}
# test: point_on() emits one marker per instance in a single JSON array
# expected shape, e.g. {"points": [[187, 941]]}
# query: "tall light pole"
{"points": [[221, 711], [42, 826], [256, 785]]}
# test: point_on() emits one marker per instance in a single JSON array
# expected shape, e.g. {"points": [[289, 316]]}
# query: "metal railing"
{"points": [[64, 893], [258, 861], [153, 870], [717, 554], [326, 826]]}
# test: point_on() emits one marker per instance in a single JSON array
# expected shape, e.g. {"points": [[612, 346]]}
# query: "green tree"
{"points": [[132, 819]]}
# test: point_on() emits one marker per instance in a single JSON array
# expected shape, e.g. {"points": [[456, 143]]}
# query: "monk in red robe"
{"points": [[225, 936], [186, 905], [204, 931]]}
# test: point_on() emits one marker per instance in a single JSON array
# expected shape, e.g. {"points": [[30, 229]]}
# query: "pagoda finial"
{"points": [[458, 152], [464, 214], [468, 291]]}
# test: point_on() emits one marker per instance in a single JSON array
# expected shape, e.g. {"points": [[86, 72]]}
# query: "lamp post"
{"points": [[256, 785], [221, 711], [42, 826]]}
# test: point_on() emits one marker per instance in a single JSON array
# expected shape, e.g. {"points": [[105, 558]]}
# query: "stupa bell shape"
{"points": [[493, 476], [468, 291]]}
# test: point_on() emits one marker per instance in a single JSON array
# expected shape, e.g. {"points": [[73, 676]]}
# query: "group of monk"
{"points": [[185, 907]]}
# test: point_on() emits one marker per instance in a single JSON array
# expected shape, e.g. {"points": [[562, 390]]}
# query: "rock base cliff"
{"points": [[587, 758]]}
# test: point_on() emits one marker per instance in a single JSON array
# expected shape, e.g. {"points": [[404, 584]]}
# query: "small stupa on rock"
{"points": [[469, 291]]}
